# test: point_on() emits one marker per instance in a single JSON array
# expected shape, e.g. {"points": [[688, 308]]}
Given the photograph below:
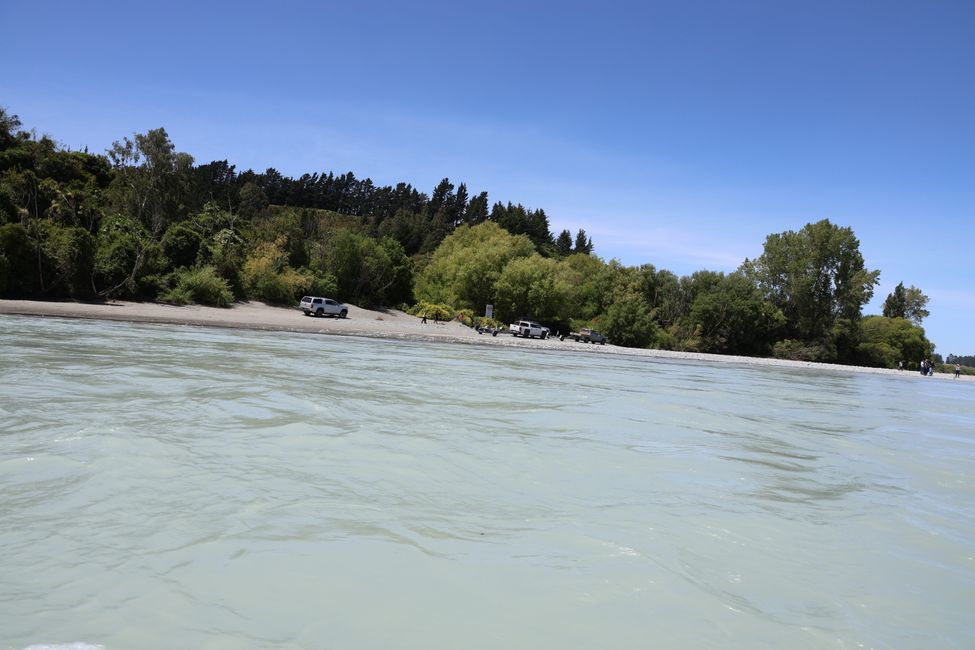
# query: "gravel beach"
{"points": [[385, 324]]}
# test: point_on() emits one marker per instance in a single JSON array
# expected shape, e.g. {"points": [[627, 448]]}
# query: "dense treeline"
{"points": [[143, 221]]}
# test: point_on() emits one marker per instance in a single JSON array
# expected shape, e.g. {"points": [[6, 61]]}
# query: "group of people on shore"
{"points": [[927, 368]]}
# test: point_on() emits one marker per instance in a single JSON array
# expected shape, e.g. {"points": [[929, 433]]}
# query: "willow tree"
{"points": [[467, 264], [818, 279], [533, 287]]}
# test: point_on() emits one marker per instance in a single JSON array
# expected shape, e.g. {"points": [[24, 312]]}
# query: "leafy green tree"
{"points": [[397, 285], [284, 228], [907, 303], [667, 295], [465, 267], [253, 202], [589, 282], [9, 128], [436, 230], [8, 207], [895, 306], [268, 276], [215, 182], [730, 317], [887, 341], [76, 203], [152, 180], [221, 245], [815, 277], [123, 255], [532, 287], [407, 227], [40, 180], [68, 256], [367, 271], [181, 244], [212, 219], [227, 257], [628, 321], [20, 255]]}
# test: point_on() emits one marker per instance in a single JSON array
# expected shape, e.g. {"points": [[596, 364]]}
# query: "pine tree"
{"points": [[583, 243], [477, 209], [563, 243]]}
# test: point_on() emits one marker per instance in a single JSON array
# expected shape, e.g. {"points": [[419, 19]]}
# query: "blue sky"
{"points": [[678, 134]]}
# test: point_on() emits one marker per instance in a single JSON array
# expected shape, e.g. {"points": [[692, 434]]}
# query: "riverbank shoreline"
{"points": [[389, 324]]}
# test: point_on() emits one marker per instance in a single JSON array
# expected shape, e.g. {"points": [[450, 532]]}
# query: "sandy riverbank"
{"points": [[387, 324]]}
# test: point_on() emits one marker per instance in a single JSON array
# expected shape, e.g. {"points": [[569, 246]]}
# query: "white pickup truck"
{"points": [[314, 306], [528, 329]]}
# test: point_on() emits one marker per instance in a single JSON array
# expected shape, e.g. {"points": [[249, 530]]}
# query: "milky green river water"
{"points": [[176, 487]]}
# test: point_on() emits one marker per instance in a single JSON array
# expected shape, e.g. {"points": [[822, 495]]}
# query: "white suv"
{"points": [[314, 306], [528, 329]]}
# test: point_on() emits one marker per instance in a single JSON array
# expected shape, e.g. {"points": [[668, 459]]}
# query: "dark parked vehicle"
{"points": [[586, 335]]}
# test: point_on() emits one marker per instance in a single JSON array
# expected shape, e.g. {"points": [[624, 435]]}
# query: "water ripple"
{"points": [[181, 487]]}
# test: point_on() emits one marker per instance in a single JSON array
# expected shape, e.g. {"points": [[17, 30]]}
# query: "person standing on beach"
{"points": [[924, 367], [424, 321], [957, 370]]}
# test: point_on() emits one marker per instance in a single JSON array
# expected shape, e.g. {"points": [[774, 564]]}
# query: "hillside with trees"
{"points": [[145, 222]]}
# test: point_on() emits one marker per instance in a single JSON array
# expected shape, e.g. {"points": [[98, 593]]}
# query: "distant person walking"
{"points": [[957, 370], [924, 367], [424, 321], [900, 365]]}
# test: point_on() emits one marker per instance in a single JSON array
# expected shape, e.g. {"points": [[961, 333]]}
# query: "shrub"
{"points": [[801, 351], [878, 355], [283, 288], [665, 340], [431, 310], [467, 317], [176, 296], [202, 286], [492, 323]]}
